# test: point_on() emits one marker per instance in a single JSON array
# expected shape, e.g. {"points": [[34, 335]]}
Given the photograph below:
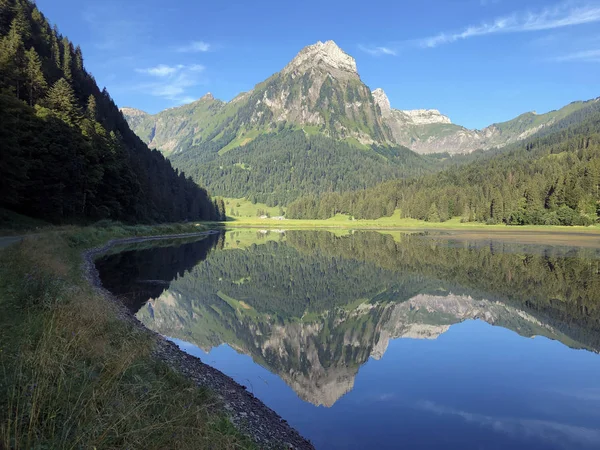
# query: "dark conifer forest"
{"points": [[552, 178], [67, 153]]}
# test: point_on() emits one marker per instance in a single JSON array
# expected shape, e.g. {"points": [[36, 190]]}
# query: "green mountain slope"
{"points": [[552, 178], [311, 128], [276, 168], [67, 153]]}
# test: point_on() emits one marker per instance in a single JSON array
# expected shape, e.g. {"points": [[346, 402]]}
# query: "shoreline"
{"points": [[417, 226], [247, 413]]}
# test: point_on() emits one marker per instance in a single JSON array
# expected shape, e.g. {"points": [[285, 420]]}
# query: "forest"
{"points": [[552, 178], [67, 153], [277, 168]]}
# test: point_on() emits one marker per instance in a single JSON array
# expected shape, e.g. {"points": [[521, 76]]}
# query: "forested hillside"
{"points": [[67, 153], [279, 167], [552, 179]]}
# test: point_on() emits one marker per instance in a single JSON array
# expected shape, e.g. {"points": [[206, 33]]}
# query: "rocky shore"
{"points": [[251, 416]]}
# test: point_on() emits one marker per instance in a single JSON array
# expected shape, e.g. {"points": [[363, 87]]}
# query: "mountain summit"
{"points": [[327, 54]]}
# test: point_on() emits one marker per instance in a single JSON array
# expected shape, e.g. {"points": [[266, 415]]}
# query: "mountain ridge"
{"points": [[321, 87]]}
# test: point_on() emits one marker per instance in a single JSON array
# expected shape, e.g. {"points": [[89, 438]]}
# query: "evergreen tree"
{"points": [[91, 108], [433, 215], [12, 59], [55, 49], [36, 82], [67, 59], [222, 210], [78, 59], [61, 99]]}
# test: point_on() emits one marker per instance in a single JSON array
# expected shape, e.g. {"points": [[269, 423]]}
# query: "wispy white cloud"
{"points": [[565, 435], [173, 82], [559, 16], [582, 56], [378, 51], [162, 70], [567, 14], [194, 47]]}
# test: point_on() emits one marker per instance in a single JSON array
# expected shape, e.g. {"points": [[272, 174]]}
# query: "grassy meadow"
{"points": [[395, 221]]}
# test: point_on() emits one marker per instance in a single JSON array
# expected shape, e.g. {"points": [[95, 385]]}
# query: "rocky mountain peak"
{"points": [[382, 100], [326, 53], [207, 96], [132, 112], [426, 116]]}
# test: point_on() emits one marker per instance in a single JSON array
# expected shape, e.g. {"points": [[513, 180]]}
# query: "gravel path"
{"points": [[251, 416]]}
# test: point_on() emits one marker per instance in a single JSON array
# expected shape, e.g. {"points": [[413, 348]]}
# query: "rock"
{"points": [[327, 53]]}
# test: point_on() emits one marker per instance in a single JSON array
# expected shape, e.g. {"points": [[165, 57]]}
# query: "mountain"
{"points": [[315, 127], [428, 131], [67, 153], [320, 359], [346, 297], [550, 178], [319, 91]]}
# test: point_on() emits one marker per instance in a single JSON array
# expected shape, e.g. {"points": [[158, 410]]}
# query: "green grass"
{"points": [[395, 221], [243, 238], [74, 375], [241, 140], [247, 209]]}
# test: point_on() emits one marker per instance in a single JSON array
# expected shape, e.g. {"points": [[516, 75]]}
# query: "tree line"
{"points": [[67, 152], [550, 179]]}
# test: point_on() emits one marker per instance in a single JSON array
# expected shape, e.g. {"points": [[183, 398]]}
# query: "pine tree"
{"points": [[35, 77], [67, 59], [55, 49], [433, 215], [21, 23], [12, 59], [61, 99], [78, 59], [91, 108], [222, 211]]}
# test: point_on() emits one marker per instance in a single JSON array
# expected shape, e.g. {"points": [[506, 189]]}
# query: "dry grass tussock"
{"points": [[75, 376]]}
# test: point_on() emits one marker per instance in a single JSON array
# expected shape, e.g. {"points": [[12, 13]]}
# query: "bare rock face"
{"points": [[426, 116], [383, 102], [327, 53]]}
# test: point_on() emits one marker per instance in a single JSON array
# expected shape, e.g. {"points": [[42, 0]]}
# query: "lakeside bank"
{"points": [[79, 369]]}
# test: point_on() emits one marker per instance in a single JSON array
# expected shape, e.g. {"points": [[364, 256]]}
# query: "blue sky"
{"points": [[477, 61]]}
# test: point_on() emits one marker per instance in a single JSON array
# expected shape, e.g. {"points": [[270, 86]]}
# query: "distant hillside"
{"points": [[552, 178], [67, 152], [428, 131]]}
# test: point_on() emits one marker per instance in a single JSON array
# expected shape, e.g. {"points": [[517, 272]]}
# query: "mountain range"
{"points": [[315, 127]]}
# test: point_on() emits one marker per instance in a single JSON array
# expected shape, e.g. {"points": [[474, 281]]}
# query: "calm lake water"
{"points": [[375, 340]]}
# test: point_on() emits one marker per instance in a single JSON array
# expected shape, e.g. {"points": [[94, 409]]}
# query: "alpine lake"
{"points": [[367, 339]]}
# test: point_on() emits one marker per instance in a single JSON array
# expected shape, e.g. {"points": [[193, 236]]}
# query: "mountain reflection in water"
{"points": [[314, 307]]}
